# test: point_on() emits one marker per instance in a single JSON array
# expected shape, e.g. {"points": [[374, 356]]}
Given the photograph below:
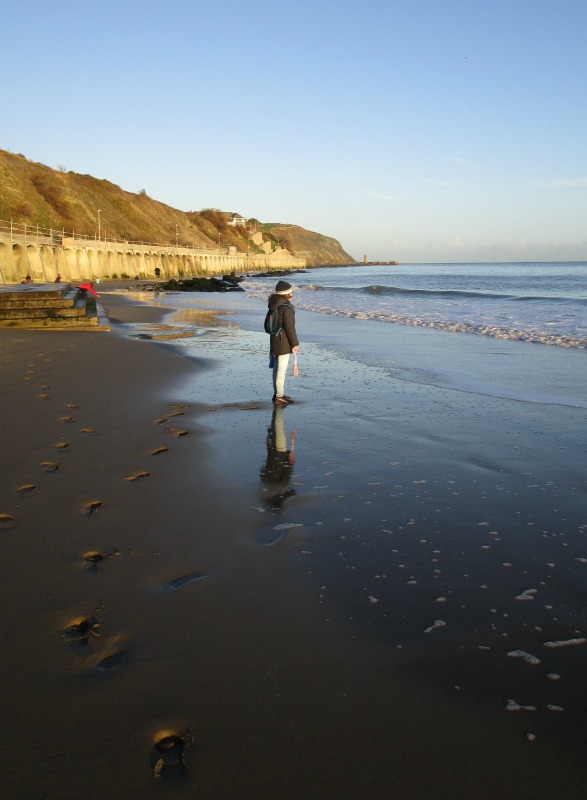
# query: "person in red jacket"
{"points": [[87, 287]]}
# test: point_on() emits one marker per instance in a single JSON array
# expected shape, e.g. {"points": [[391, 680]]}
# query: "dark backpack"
{"points": [[273, 325]]}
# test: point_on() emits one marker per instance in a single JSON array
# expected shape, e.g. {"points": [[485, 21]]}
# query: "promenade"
{"points": [[43, 253]]}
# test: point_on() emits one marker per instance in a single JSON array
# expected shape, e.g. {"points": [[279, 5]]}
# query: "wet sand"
{"points": [[375, 619]]}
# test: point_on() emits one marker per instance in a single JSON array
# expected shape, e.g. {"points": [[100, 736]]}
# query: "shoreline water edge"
{"points": [[377, 591]]}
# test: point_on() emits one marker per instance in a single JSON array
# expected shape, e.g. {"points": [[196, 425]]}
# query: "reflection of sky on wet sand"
{"points": [[426, 521], [181, 323], [443, 528], [433, 531], [186, 323], [201, 316]]}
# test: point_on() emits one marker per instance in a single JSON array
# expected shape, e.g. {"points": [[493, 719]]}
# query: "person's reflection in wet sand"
{"points": [[277, 469]]}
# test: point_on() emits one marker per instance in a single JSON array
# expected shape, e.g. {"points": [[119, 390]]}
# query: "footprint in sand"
{"points": [[61, 445], [82, 629], [167, 756], [28, 487], [183, 580], [50, 466], [91, 507], [175, 432], [93, 558], [89, 431], [166, 416], [112, 655], [71, 405], [269, 536], [159, 450], [6, 521], [136, 477], [67, 419], [112, 660]]}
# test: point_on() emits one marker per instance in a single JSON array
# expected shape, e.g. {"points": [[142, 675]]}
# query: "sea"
{"points": [[512, 330], [517, 331], [542, 303]]}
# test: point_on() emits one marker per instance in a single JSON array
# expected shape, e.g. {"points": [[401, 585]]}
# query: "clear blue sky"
{"points": [[409, 130]]}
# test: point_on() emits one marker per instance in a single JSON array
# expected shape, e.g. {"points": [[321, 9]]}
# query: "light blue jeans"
{"points": [[280, 438], [279, 372]]}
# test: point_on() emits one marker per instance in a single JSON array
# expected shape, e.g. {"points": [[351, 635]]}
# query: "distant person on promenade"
{"points": [[58, 278], [28, 279], [283, 343]]}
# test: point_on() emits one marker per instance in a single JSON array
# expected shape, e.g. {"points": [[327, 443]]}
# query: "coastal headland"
{"points": [[397, 610], [54, 221]]}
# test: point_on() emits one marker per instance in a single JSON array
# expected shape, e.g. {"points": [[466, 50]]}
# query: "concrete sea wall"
{"points": [[43, 257]]}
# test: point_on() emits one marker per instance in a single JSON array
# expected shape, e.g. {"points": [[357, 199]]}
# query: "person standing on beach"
{"points": [[285, 342]]}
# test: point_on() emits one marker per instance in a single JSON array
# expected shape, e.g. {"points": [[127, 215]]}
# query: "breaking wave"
{"points": [[526, 317]]}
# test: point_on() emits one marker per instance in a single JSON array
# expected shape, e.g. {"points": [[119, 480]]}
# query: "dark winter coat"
{"points": [[287, 338]]}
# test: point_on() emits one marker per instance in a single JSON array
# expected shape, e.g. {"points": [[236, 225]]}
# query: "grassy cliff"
{"points": [[35, 194]]}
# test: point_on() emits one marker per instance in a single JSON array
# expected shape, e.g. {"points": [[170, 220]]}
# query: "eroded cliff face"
{"points": [[36, 195], [317, 249]]}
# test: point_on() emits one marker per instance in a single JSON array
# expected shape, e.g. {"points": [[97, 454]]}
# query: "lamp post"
{"points": [[176, 236], [99, 224]]}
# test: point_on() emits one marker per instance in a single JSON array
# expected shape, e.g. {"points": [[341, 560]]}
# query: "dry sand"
{"points": [[283, 621]]}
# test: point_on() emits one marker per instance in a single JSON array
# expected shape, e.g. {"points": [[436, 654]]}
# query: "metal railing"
{"points": [[35, 234]]}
